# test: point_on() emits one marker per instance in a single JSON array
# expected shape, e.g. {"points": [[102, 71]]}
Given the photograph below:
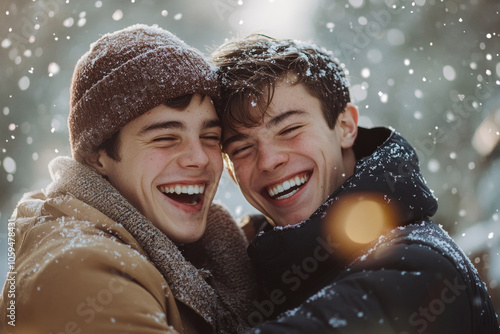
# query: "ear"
{"points": [[348, 126], [99, 161]]}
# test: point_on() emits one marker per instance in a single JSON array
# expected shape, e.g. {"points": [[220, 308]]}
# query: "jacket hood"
{"points": [[387, 165]]}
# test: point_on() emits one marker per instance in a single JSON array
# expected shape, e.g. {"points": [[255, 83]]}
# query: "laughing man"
{"points": [[104, 248], [348, 245]]}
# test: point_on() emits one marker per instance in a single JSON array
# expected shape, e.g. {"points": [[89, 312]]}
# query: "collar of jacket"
{"points": [[187, 283], [386, 165]]}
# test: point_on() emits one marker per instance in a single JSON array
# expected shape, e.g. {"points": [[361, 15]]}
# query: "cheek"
{"points": [[216, 159], [312, 138], [147, 168], [155, 159], [242, 173], [308, 145]]}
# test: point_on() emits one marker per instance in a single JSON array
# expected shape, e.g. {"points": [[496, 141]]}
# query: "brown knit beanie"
{"points": [[127, 73]]}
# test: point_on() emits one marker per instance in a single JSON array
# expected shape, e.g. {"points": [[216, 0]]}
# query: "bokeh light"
{"points": [[356, 220]]}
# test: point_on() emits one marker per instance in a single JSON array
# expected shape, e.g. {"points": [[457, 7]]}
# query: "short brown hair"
{"points": [[249, 68], [112, 145]]}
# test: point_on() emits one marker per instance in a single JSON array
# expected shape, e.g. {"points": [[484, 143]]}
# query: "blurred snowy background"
{"points": [[429, 68]]}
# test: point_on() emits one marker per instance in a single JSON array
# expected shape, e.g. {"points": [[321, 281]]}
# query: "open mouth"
{"points": [[289, 187], [182, 193]]}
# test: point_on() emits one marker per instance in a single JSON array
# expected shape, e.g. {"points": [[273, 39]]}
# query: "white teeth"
{"points": [[286, 185], [183, 189], [287, 195]]}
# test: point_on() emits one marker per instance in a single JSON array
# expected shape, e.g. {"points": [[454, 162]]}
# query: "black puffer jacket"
{"points": [[413, 279]]}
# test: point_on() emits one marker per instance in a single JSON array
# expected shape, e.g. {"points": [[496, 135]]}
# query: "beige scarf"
{"points": [[220, 308]]}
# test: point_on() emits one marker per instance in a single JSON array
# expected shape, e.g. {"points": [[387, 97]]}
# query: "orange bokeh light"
{"points": [[355, 221]]}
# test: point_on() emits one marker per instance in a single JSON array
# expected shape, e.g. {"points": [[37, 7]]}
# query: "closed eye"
{"points": [[211, 140], [290, 129], [215, 138], [240, 150], [159, 139]]}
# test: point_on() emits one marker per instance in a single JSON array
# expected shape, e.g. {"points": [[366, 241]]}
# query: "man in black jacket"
{"points": [[347, 244]]}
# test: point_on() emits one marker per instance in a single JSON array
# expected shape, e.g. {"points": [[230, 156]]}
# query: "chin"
{"points": [[292, 220], [187, 238], [182, 230]]}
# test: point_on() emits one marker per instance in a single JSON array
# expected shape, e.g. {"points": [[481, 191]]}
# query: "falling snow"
{"points": [[430, 69]]}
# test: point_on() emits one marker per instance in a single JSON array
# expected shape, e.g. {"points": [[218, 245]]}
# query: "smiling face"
{"points": [[290, 163], [169, 167]]}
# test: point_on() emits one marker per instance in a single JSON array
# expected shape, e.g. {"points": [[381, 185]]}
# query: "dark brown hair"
{"points": [[112, 145], [249, 69]]}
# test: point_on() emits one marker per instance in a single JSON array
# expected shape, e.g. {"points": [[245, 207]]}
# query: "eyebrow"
{"points": [[282, 117], [234, 138], [162, 126], [208, 124], [211, 123]]}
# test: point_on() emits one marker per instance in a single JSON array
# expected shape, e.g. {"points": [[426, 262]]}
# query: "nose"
{"points": [[194, 155], [271, 157]]}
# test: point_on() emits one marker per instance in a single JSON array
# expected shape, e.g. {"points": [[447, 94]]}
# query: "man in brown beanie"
{"points": [[125, 239]]}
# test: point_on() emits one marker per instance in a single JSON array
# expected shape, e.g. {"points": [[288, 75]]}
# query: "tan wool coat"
{"points": [[88, 262]]}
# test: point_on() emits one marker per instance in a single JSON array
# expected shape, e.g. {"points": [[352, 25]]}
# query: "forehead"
{"points": [[284, 94], [195, 114], [289, 102], [247, 105]]}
